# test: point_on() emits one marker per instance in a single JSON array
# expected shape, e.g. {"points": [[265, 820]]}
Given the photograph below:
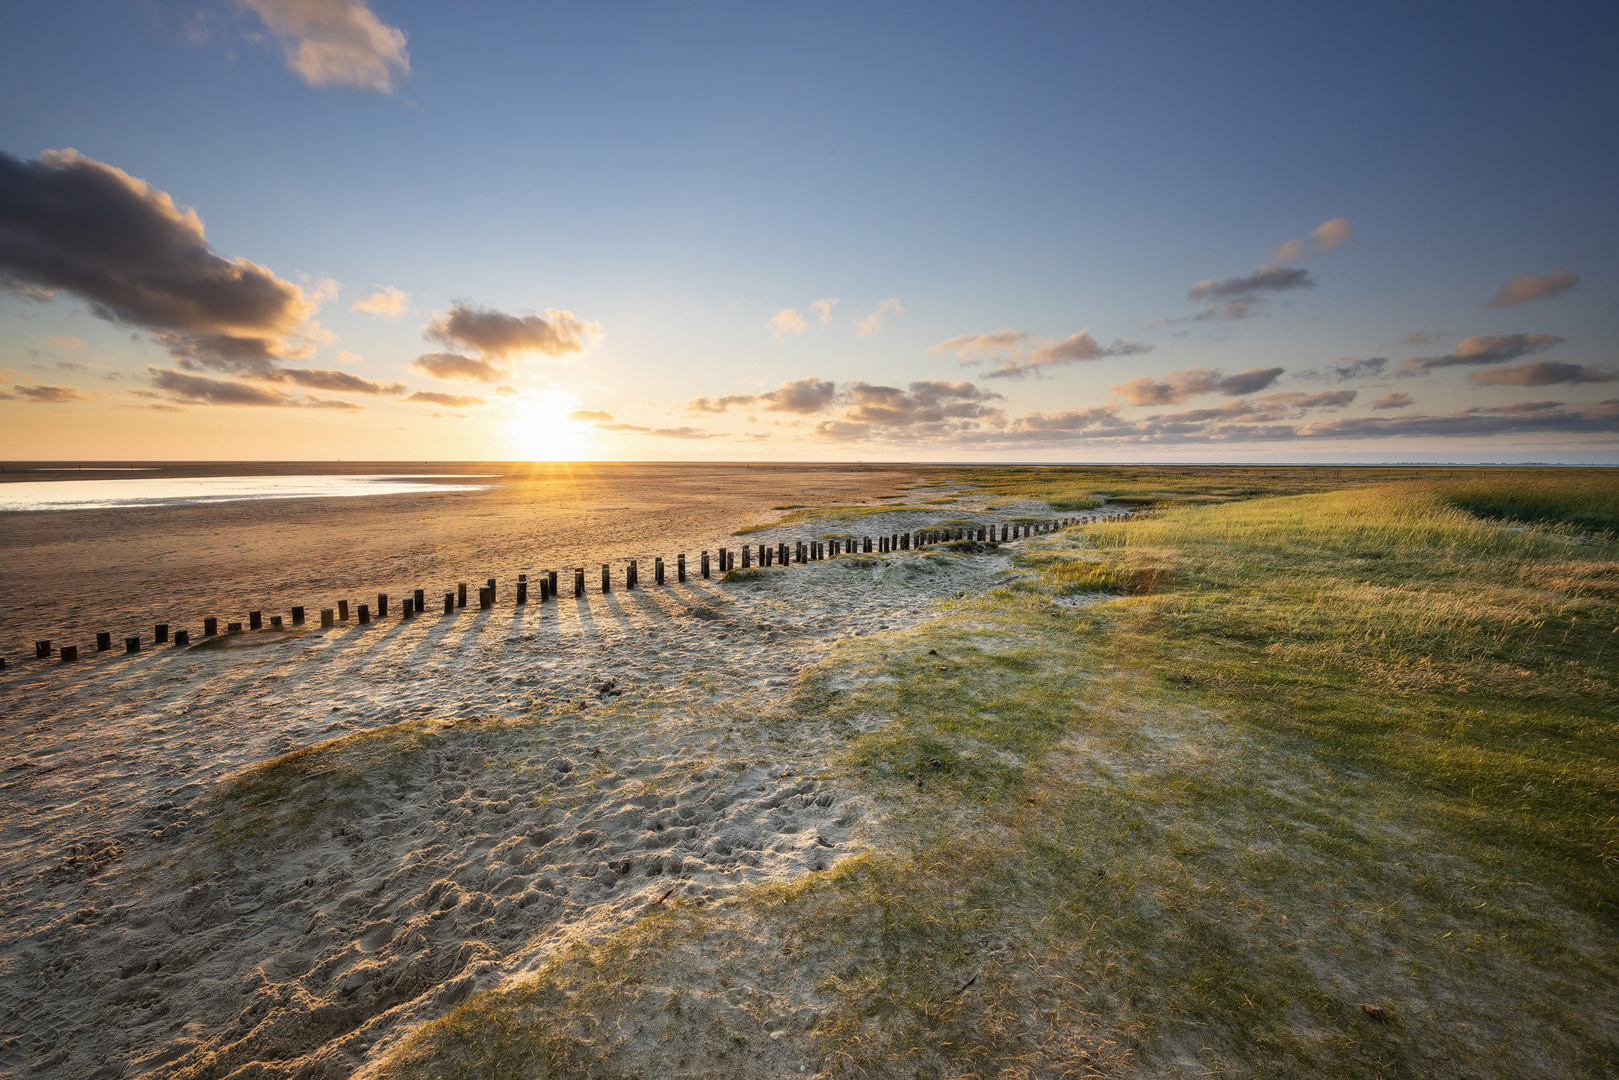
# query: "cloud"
{"points": [[722, 404], [873, 323], [1325, 237], [336, 42], [801, 397], [579, 415], [71, 223], [974, 347], [622, 427], [1069, 420], [1072, 349], [325, 379], [1348, 368], [682, 433], [823, 308], [1266, 279], [1178, 386], [924, 402], [205, 391], [1526, 287], [1392, 401], [1541, 373], [348, 357], [390, 301], [67, 342], [499, 337], [1482, 350], [507, 391], [787, 321], [44, 395], [454, 401], [455, 366]]}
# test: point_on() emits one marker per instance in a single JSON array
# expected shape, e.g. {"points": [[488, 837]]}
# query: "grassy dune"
{"points": [[1315, 784]]}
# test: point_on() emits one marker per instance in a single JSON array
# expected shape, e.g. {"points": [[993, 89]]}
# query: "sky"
{"points": [[389, 230]]}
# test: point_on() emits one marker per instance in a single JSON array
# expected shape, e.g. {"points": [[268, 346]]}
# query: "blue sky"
{"points": [[681, 183]]}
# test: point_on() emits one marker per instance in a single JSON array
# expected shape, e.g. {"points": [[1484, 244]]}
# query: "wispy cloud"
{"points": [[582, 415], [67, 342], [721, 404], [457, 366], [336, 42], [201, 390], [874, 322], [1178, 386], [974, 347], [1327, 236], [1348, 368], [1392, 401], [389, 301], [1542, 373], [44, 395], [823, 309], [1021, 361], [1523, 288], [453, 401], [1481, 350]]}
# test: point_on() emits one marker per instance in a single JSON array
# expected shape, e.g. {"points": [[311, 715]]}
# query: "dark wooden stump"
{"points": [[160, 633], [210, 626]]}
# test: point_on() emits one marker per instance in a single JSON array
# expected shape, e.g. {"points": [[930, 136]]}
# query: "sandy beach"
{"points": [[565, 764]]}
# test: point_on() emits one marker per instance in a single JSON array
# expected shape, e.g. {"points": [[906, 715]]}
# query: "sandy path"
{"points": [[310, 961]]}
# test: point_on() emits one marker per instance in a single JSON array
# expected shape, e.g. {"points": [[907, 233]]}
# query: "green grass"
{"points": [[820, 513], [1195, 787]]}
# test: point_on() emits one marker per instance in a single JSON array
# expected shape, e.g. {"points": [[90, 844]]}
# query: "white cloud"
{"points": [[873, 323], [787, 321], [336, 42], [823, 308], [390, 301]]}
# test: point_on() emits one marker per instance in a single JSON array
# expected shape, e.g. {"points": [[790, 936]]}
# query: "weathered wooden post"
{"points": [[70, 653], [657, 570], [421, 599], [382, 605], [747, 555], [491, 585], [407, 608], [132, 645], [160, 634], [631, 573], [298, 615], [210, 626], [522, 591], [182, 638], [42, 650], [326, 619], [449, 603], [103, 641], [680, 567], [607, 578], [486, 598], [343, 610], [365, 614], [545, 588], [275, 622], [551, 580], [705, 564], [461, 594], [255, 620], [233, 628], [579, 581]]}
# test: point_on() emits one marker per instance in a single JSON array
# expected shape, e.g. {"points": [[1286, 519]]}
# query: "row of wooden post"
{"points": [[781, 554]]}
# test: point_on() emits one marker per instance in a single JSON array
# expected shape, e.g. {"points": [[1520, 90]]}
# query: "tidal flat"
{"points": [[1289, 772]]}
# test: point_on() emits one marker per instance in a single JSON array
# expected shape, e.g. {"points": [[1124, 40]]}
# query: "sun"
{"points": [[540, 430]]}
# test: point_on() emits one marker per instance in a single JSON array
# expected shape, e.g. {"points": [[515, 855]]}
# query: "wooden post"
{"points": [[382, 605], [132, 645], [607, 578], [704, 564], [326, 619], [210, 626], [343, 610], [491, 590], [461, 595], [275, 622], [103, 642], [545, 588], [680, 567], [631, 575], [449, 603], [365, 614], [255, 620], [407, 608], [182, 638], [551, 580], [579, 581], [747, 554], [70, 653], [233, 628], [160, 634], [298, 615], [486, 598], [421, 599], [42, 650], [522, 592], [657, 570]]}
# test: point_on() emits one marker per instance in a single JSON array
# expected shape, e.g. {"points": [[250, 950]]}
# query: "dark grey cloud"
{"points": [[923, 402], [1267, 279], [1349, 368], [74, 224], [1542, 373], [325, 379], [495, 334], [801, 397], [1482, 350], [1178, 386], [454, 401], [456, 366], [1523, 288], [202, 390], [1248, 382]]}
